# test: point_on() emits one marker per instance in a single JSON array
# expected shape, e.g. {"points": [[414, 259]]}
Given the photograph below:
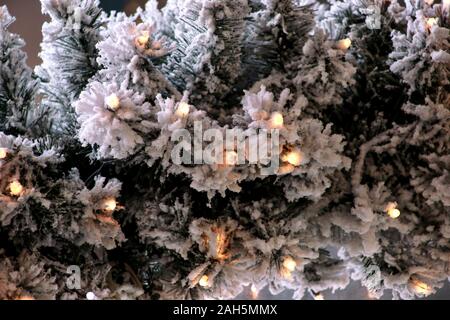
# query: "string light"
{"points": [[431, 22], [319, 296], [204, 281], [254, 291], [392, 211], [3, 153], [421, 287], [289, 264], [15, 188], [91, 296], [344, 44], [113, 102], [276, 120], [183, 110], [29, 298], [231, 158], [216, 242], [294, 157], [109, 205], [143, 39]]}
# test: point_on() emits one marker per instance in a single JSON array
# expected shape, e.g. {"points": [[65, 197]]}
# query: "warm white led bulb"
{"points": [[15, 188], [91, 296], [231, 158], [204, 281], [254, 291], [109, 205], [294, 157], [183, 110], [113, 102], [289, 264], [3, 153], [421, 287], [276, 120], [319, 296], [143, 39], [344, 44], [392, 211], [432, 22]]}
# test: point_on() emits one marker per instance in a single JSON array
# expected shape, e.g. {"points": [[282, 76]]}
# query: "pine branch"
{"points": [[69, 56], [19, 113]]}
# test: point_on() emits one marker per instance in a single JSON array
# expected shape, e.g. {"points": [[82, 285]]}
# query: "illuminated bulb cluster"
{"points": [[183, 110], [204, 281], [3, 153], [276, 120], [293, 157], [392, 211], [143, 39], [15, 188], [344, 44], [113, 102]]}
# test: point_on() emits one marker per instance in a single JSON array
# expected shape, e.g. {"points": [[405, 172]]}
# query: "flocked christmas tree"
{"points": [[356, 91]]}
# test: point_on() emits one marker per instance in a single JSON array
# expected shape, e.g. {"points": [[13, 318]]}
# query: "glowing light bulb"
{"points": [[113, 102], [289, 264], [25, 298], [219, 242], [91, 296], [15, 188], [204, 281], [254, 291], [432, 22], [3, 153], [344, 44], [109, 205], [143, 39], [293, 157], [392, 211], [421, 287], [231, 158], [276, 120], [319, 296], [183, 110]]}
